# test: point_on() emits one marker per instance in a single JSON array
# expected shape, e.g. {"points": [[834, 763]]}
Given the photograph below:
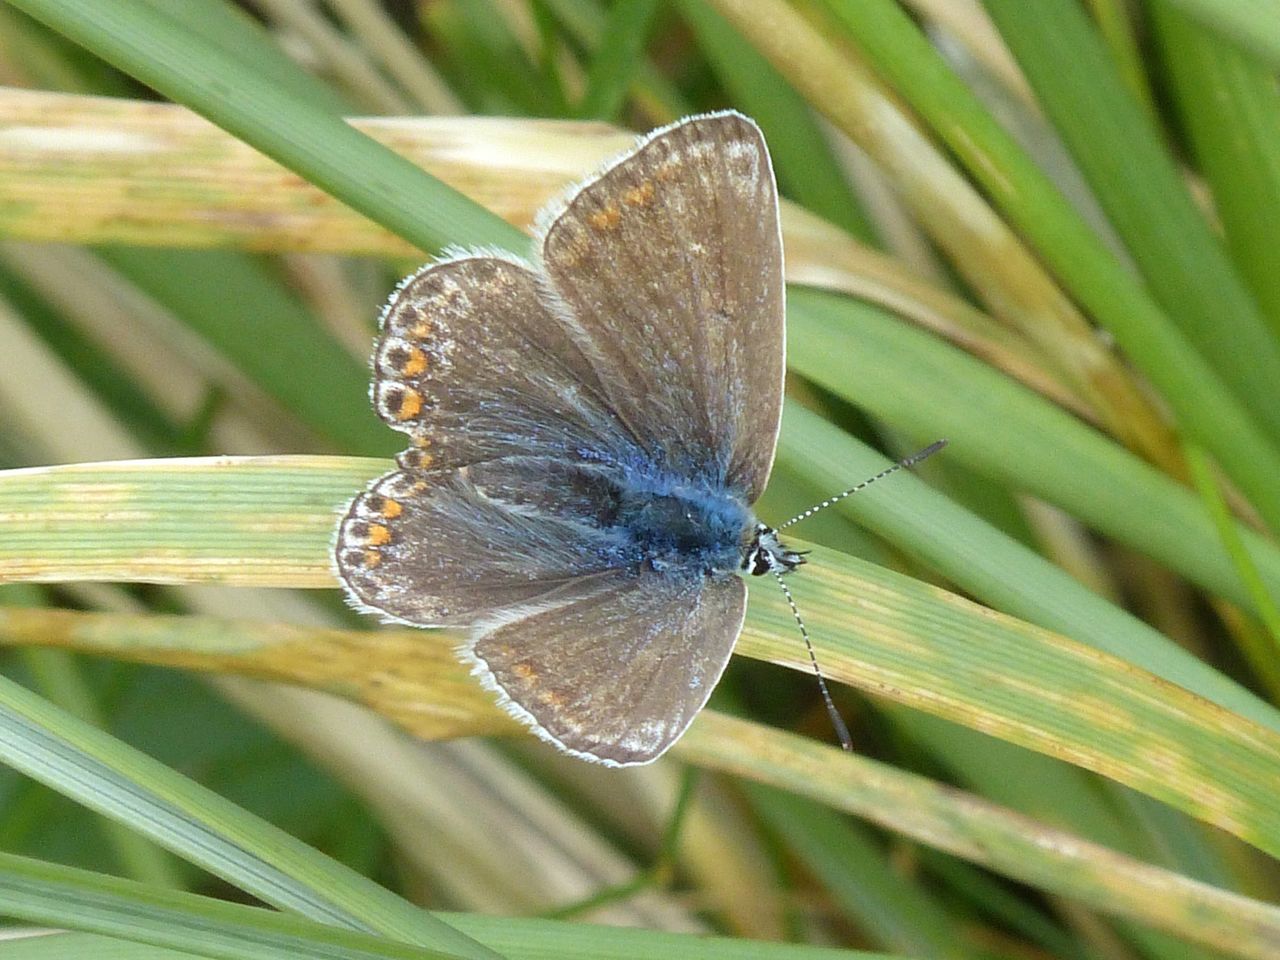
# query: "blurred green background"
{"points": [[1046, 231]]}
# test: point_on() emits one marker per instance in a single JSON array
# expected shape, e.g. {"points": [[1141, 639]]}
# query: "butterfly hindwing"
{"points": [[451, 547], [618, 675]]}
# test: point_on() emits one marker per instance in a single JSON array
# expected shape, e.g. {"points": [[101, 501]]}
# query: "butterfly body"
{"points": [[588, 433], [698, 529]]}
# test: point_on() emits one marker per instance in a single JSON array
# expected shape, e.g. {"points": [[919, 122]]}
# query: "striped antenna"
{"points": [[906, 462], [837, 721]]}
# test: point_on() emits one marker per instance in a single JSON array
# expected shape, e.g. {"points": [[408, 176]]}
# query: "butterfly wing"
{"points": [[615, 675], [670, 263], [489, 507], [584, 642], [652, 344], [450, 548], [474, 365]]}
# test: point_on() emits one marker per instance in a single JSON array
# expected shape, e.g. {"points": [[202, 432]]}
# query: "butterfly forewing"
{"points": [[472, 363], [671, 262]]}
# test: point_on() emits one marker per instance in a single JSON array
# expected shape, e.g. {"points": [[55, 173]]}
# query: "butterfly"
{"points": [[587, 433]]}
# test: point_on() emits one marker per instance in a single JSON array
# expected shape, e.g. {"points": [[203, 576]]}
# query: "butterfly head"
{"points": [[765, 553]]}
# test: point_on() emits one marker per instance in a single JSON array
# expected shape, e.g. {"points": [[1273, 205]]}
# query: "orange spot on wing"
{"points": [[415, 458], [410, 405], [606, 218], [391, 508], [372, 558], [416, 362], [378, 535], [639, 196]]}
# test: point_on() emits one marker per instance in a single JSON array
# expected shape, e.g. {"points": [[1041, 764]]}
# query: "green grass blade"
{"points": [[518, 939], [1024, 781], [976, 830], [237, 34], [616, 61], [900, 801], [970, 665], [584, 22], [1261, 651], [233, 301], [1202, 403], [58, 677], [994, 899], [1228, 106], [490, 66], [47, 60], [1253, 24], [59, 896], [891, 909], [318, 145], [108, 776], [898, 637], [1116, 24], [1145, 197], [187, 924], [929, 388]]}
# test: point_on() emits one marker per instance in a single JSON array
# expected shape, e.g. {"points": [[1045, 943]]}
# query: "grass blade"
{"points": [[106, 775], [617, 59], [1253, 24], [924, 648], [1202, 403], [61, 896], [1144, 194], [1227, 103], [320, 146]]}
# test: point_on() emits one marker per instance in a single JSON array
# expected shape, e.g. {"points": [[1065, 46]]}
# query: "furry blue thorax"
{"points": [[689, 528]]}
